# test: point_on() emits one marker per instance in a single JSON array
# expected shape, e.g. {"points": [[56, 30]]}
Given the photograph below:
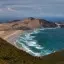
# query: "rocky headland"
{"points": [[28, 24], [10, 31]]}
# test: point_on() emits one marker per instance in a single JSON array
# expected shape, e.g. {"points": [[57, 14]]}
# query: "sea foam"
{"points": [[26, 40]]}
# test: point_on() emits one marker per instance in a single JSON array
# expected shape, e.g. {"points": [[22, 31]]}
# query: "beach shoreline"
{"points": [[11, 36]]}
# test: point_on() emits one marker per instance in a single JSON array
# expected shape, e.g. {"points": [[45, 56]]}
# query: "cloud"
{"points": [[11, 9], [1, 10], [34, 7], [7, 9]]}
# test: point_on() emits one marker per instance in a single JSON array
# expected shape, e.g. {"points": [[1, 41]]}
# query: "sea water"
{"points": [[41, 42]]}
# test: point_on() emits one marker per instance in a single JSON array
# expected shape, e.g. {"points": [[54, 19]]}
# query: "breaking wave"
{"points": [[31, 45]]}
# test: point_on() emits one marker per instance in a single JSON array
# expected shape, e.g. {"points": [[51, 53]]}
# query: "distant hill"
{"points": [[11, 55], [26, 24]]}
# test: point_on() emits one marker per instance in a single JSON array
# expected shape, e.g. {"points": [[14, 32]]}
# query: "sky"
{"points": [[31, 8]]}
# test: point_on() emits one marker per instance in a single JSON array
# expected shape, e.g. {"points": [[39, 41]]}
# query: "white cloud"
{"points": [[1, 10], [7, 9], [11, 9], [34, 7]]}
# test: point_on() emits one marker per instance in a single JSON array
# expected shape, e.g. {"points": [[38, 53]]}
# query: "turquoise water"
{"points": [[43, 41]]}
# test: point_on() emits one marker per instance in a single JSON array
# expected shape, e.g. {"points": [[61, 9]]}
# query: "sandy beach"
{"points": [[11, 35]]}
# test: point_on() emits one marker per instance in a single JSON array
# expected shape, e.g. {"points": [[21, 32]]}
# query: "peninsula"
{"points": [[11, 54]]}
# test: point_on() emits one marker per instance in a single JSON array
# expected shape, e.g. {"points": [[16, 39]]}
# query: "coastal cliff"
{"points": [[37, 23], [27, 24]]}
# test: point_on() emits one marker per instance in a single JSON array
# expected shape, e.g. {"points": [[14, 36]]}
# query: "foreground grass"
{"points": [[11, 55]]}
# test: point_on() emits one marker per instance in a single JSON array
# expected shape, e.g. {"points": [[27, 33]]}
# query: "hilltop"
{"points": [[26, 24]]}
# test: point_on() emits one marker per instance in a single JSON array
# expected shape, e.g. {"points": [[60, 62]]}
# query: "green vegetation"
{"points": [[11, 55]]}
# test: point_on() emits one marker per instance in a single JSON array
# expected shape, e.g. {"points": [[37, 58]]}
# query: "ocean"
{"points": [[41, 42]]}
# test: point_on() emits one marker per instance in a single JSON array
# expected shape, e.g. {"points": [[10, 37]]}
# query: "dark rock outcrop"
{"points": [[62, 26], [46, 23]]}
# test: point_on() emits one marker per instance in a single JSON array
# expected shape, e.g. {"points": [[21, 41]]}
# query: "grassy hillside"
{"points": [[11, 55]]}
